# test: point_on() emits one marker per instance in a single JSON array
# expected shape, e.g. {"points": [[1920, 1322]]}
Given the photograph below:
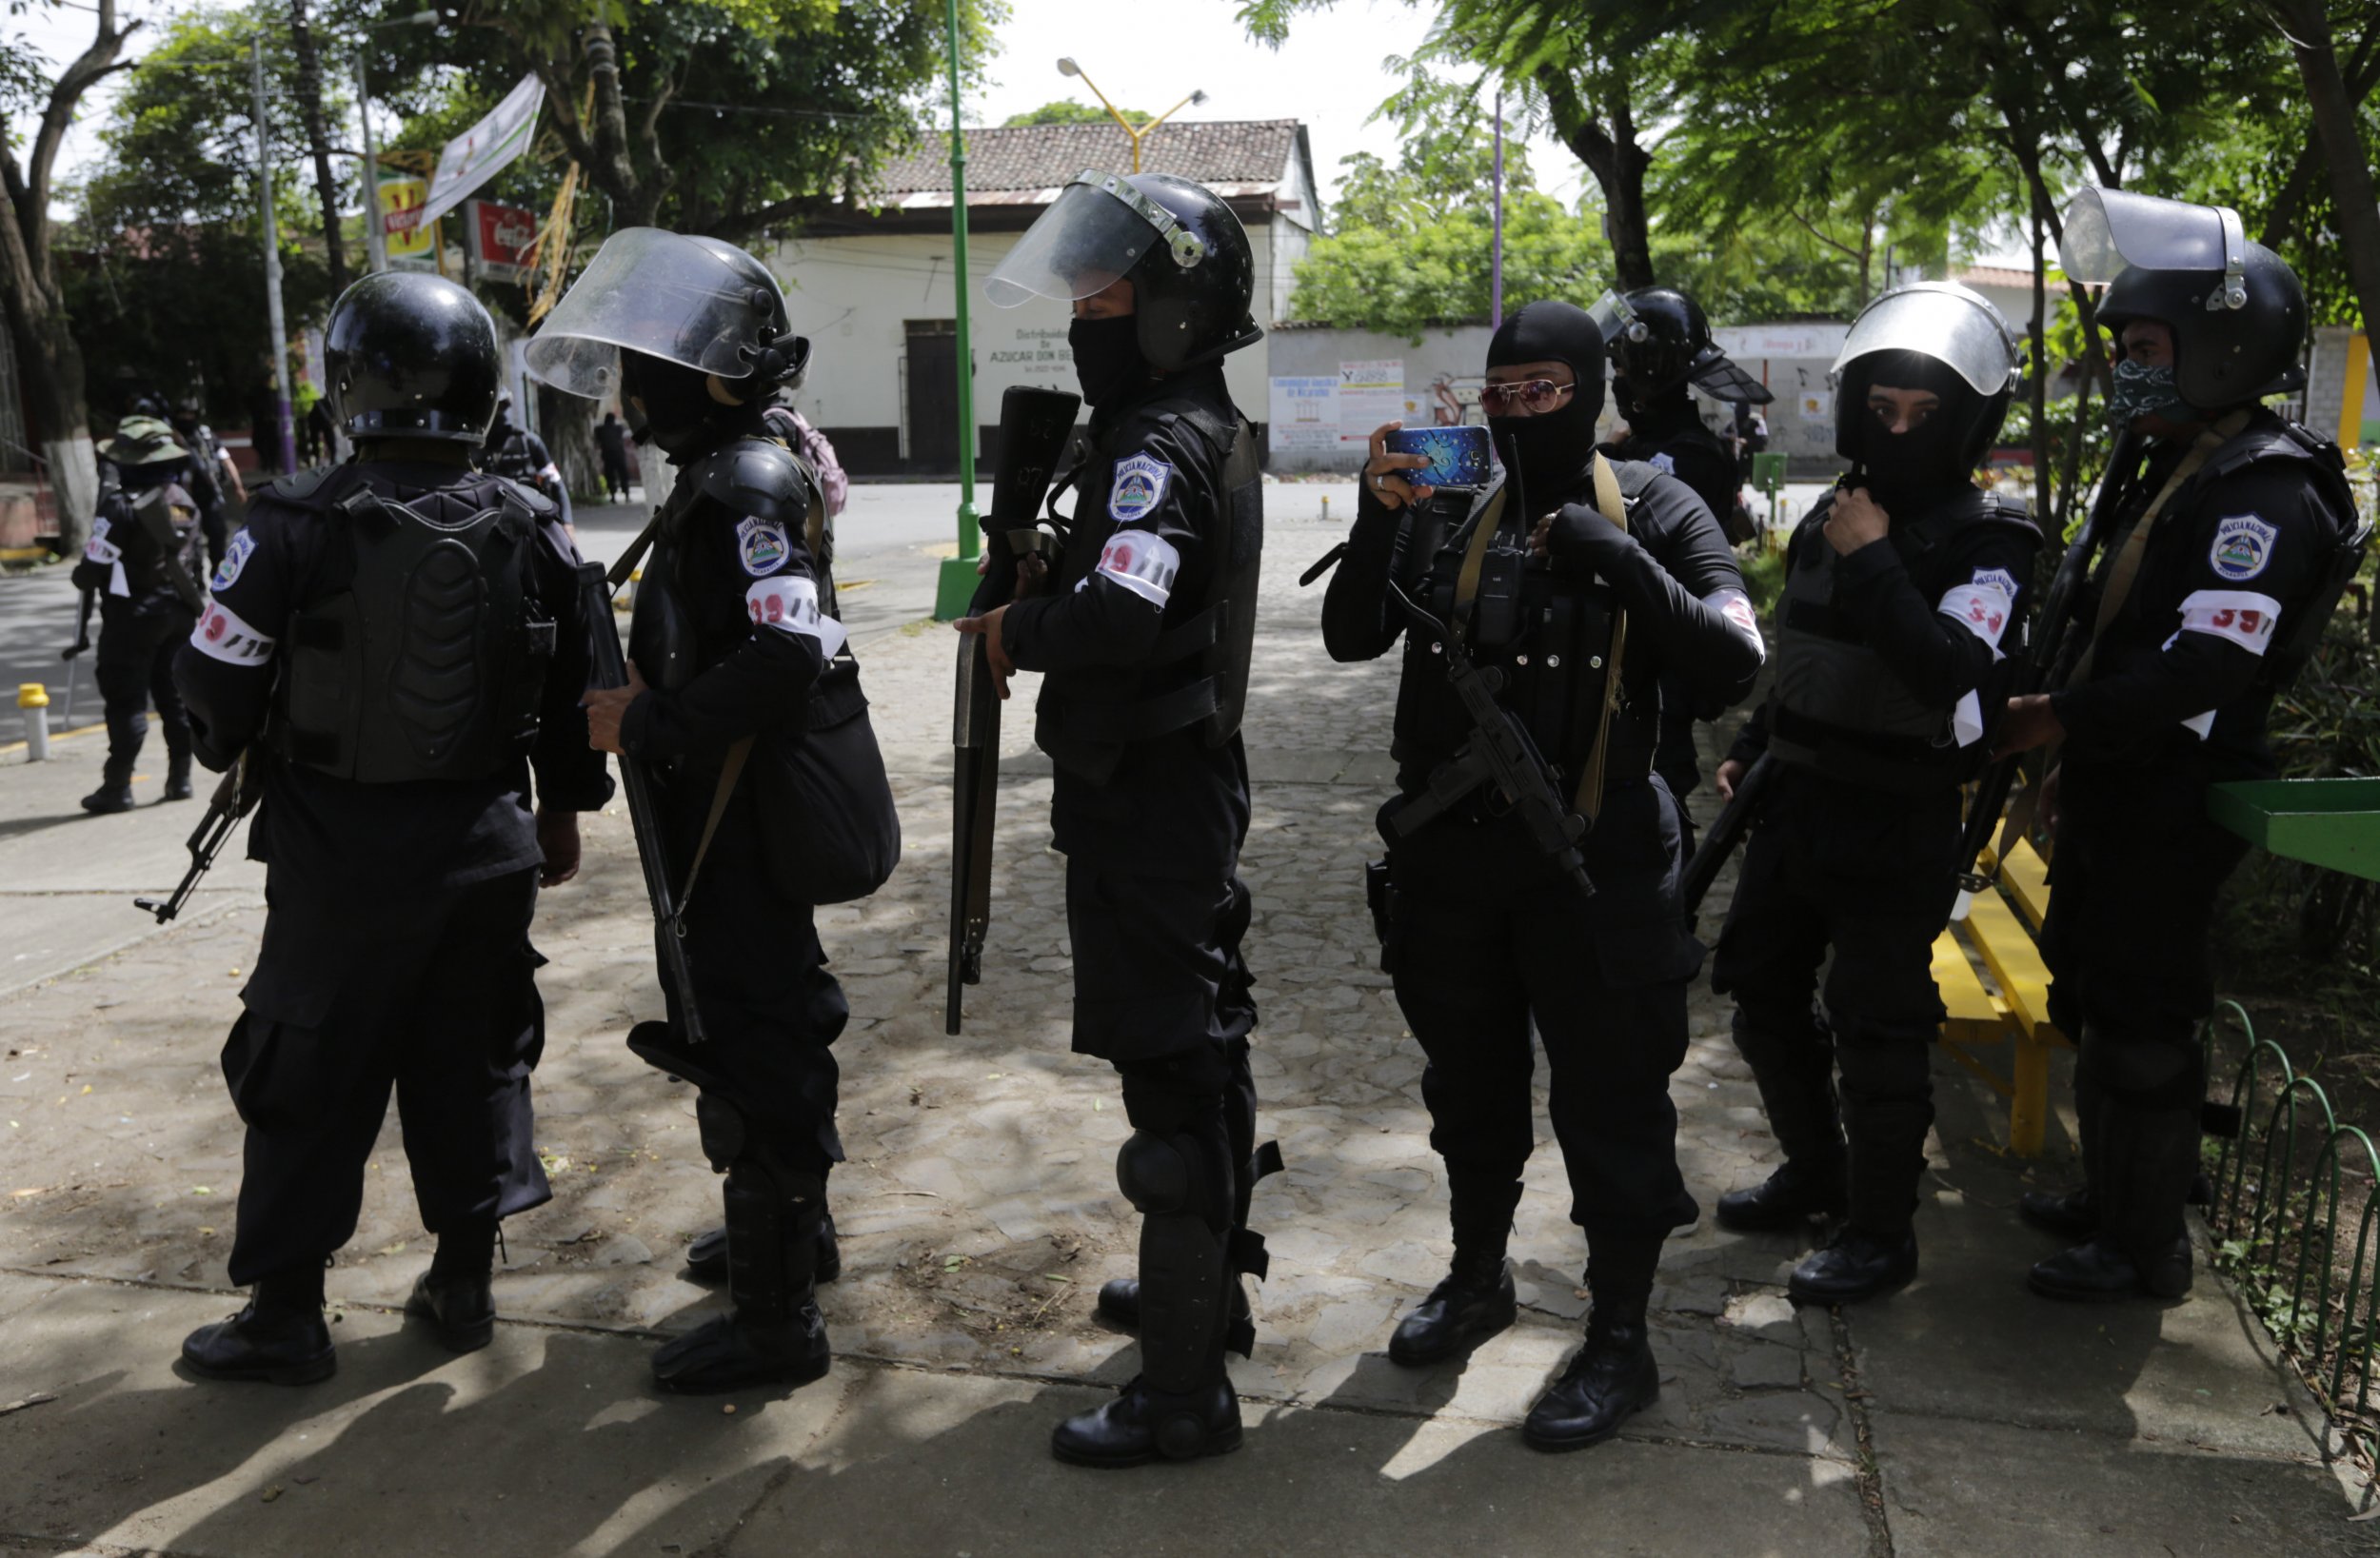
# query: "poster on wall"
{"points": [[1817, 405], [1304, 414], [406, 236], [1370, 393], [498, 238]]}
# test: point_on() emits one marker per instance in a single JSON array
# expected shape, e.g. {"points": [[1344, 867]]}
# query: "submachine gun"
{"points": [[1035, 426], [234, 797]]}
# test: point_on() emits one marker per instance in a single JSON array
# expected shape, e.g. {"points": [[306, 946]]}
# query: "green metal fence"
{"points": [[2279, 1184]]}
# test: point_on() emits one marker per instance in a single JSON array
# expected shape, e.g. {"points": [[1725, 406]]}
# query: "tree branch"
{"points": [[94, 65], [737, 223]]}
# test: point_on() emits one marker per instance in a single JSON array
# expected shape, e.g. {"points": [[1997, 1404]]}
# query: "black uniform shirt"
{"points": [[1151, 505], [761, 636], [2183, 661], [334, 839]]}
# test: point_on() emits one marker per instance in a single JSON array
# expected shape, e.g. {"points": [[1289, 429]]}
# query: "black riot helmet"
{"points": [[698, 304], [2235, 309], [411, 355], [1193, 273], [1657, 340], [1945, 337]]}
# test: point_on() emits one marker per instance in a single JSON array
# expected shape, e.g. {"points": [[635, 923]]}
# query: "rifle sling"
{"points": [[1608, 501], [737, 754]]}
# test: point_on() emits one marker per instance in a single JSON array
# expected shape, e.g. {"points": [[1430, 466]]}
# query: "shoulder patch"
{"points": [[762, 546], [234, 558], [2243, 547], [1140, 483], [1663, 461], [1996, 578]]}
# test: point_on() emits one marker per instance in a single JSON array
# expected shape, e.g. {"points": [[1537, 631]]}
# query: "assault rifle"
{"points": [[1499, 755], [1034, 427], [234, 797], [1721, 838], [610, 668], [2060, 635]]}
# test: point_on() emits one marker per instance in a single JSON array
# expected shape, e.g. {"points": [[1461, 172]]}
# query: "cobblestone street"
{"points": [[978, 1214]]}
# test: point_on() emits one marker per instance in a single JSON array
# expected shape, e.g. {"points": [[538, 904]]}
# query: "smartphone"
{"points": [[1458, 456]]}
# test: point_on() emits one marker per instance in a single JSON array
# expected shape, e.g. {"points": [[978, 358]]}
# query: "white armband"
{"points": [[1736, 607], [2242, 617], [789, 603], [220, 635], [1981, 606], [1143, 563]]}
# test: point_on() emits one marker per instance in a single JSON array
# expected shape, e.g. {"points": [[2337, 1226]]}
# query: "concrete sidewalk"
{"points": [[1960, 1416]]}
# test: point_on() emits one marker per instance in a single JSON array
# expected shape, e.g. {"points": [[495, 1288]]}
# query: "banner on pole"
{"points": [[483, 150], [404, 236]]}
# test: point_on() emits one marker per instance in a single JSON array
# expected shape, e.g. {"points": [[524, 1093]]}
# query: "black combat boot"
{"points": [[2151, 1159], [113, 795], [1144, 1424], [776, 1336], [1610, 1379], [1794, 1066], [1471, 1303], [178, 762], [278, 1339], [706, 1257], [1854, 1265], [1795, 1193], [457, 1294]]}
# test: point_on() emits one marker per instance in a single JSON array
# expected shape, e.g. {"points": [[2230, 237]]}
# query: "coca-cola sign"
{"points": [[500, 237]]}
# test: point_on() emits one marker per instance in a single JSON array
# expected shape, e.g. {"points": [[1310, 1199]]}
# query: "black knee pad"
{"points": [[725, 1135], [2143, 1071], [1156, 1173]]}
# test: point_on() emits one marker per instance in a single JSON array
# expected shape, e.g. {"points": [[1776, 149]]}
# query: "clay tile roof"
{"points": [[1032, 162]]}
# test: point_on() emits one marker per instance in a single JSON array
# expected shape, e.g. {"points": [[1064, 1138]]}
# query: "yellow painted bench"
{"points": [[1996, 939]]}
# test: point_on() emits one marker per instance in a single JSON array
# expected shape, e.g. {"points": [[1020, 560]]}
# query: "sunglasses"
{"points": [[1530, 395]]}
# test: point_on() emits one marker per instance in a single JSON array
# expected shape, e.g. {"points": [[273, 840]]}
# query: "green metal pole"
{"points": [[957, 586]]}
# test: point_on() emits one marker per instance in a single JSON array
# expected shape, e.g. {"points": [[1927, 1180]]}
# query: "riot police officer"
{"points": [[1573, 585], [2234, 533], [1143, 631], [1660, 344], [515, 452], [732, 634], [1901, 587], [394, 646], [189, 421], [158, 529]]}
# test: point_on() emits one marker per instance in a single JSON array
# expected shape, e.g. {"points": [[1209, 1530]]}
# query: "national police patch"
{"points": [[1996, 578], [234, 559], [2243, 547], [762, 546], [1140, 482]]}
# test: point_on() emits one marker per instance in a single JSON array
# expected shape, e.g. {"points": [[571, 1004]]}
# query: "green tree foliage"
{"points": [[1067, 112], [1413, 239]]}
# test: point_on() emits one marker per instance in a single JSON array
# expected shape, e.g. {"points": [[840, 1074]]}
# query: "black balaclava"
{"points": [[1551, 452], [1107, 359], [1906, 471], [1663, 413], [681, 415]]}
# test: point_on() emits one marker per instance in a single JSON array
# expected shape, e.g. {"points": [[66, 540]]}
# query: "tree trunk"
{"points": [[1618, 164], [2355, 207], [311, 111], [568, 428]]}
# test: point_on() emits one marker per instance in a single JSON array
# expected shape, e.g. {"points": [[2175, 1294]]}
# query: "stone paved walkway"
{"points": [[979, 1215]]}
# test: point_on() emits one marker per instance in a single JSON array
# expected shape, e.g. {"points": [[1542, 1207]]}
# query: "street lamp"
{"points": [[375, 231], [1068, 67]]}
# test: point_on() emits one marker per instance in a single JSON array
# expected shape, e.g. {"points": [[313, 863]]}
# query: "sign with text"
{"points": [[1304, 414], [406, 236], [499, 238], [1370, 393], [487, 148]]}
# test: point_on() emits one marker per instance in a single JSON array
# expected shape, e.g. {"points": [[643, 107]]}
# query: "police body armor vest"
{"points": [[423, 662], [509, 458], [2302, 623], [1549, 634], [1197, 673], [1838, 707]]}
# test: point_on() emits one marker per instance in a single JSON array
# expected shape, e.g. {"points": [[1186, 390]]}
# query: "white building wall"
{"points": [[852, 296]]}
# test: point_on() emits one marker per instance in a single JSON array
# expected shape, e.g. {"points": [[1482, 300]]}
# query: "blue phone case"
{"points": [[1458, 456]]}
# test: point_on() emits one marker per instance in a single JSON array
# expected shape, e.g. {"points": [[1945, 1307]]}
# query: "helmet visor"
{"points": [[1940, 319], [2109, 230], [658, 293], [1092, 235], [1715, 374], [1618, 321]]}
